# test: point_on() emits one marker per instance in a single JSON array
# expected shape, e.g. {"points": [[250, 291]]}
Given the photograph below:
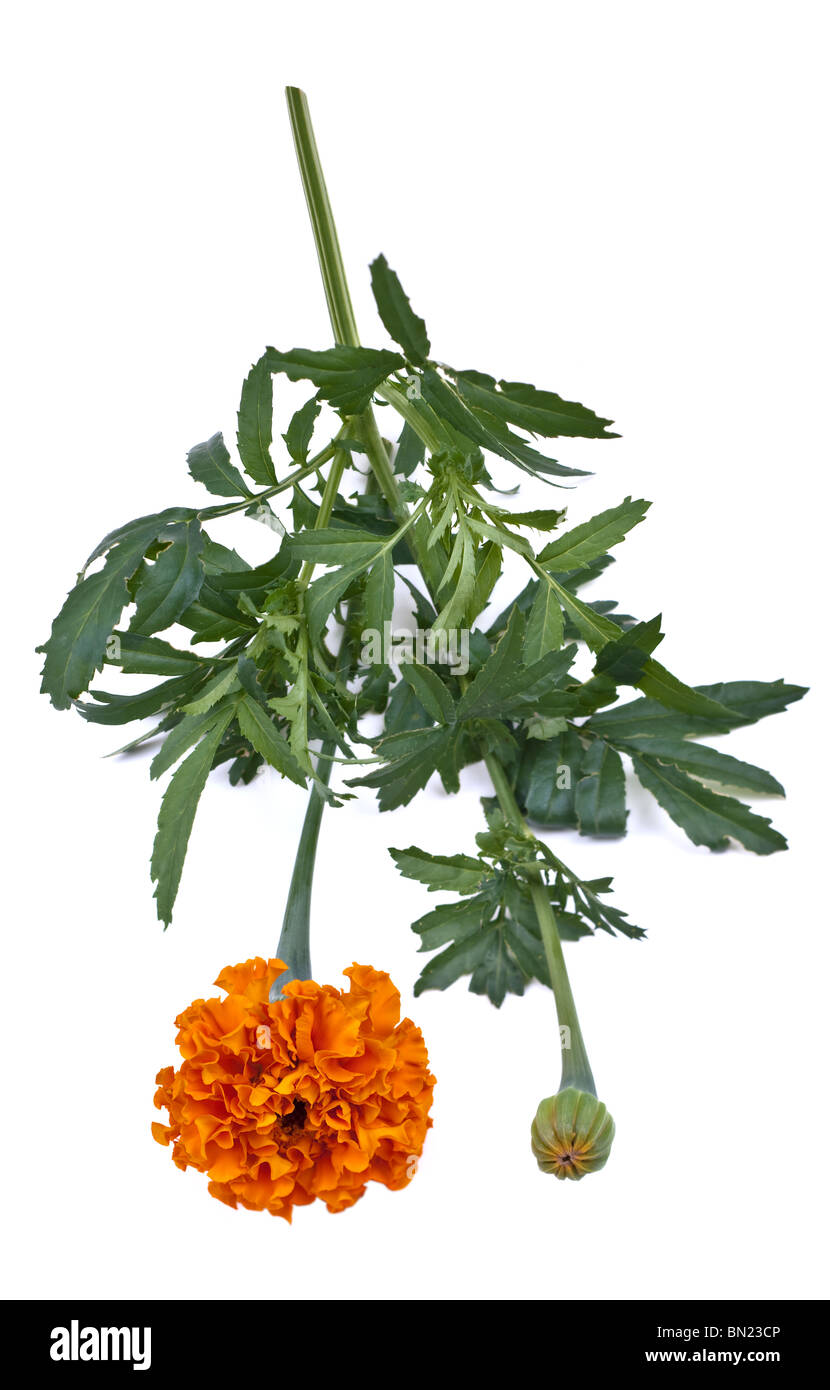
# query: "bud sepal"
{"points": [[572, 1134]]}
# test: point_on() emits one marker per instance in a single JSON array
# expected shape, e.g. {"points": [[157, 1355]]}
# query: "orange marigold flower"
{"points": [[314, 1095]]}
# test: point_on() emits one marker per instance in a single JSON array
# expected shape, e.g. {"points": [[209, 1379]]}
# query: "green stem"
{"points": [[342, 318], [576, 1069], [319, 210], [313, 466], [294, 944]]}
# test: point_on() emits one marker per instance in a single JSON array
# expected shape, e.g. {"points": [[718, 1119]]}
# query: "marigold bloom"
{"points": [[314, 1095]]}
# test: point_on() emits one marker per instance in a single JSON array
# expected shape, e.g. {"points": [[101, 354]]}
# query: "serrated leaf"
{"points": [[709, 763], [123, 709], [150, 656], [323, 593], [210, 464], [346, 377], [148, 526], [459, 873], [540, 412], [184, 734], [222, 684], [379, 598], [173, 582], [178, 811], [335, 545], [548, 776], [745, 702], [413, 758], [396, 313], [545, 625], [459, 959], [707, 817], [410, 452], [261, 732], [75, 650], [624, 660], [485, 430], [300, 429], [430, 690], [452, 921], [593, 538], [600, 792], [483, 691], [655, 680]]}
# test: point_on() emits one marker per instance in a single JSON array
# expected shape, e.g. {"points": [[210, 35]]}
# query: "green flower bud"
{"points": [[572, 1134]]}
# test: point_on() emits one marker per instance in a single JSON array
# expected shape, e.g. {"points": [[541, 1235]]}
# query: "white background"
{"points": [[623, 203]]}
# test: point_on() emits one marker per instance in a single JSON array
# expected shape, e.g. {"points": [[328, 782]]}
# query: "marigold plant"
{"points": [[559, 695]]}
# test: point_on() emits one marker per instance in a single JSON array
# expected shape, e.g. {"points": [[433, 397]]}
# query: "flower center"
{"points": [[294, 1121]]}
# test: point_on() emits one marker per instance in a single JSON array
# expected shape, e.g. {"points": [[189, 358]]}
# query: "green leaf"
{"points": [[709, 763], [459, 873], [123, 709], [150, 656], [178, 811], [187, 732], [396, 313], [147, 527], [485, 430], [379, 598], [172, 583], [545, 625], [335, 545], [430, 690], [214, 617], [409, 453], [483, 693], [210, 464], [459, 959], [594, 627], [496, 972], [548, 776], [452, 921], [624, 660], [215, 690], [659, 683], [301, 427], [540, 412], [504, 687], [655, 680], [261, 732], [346, 376], [707, 817], [322, 595], [75, 650], [744, 702], [600, 792], [255, 423], [544, 519], [413, 758], [593, 538]]}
